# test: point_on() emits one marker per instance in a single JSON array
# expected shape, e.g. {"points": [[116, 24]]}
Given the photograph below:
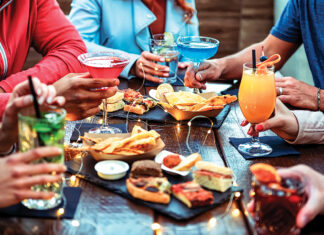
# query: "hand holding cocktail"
{"points": [[21, 98], [18, 175], [314, 188]]}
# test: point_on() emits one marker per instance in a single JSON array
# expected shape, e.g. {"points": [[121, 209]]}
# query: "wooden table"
{"points": [[102, 212]]}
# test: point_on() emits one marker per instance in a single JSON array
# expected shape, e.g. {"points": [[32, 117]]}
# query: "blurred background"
{"points": [[236, 24]]}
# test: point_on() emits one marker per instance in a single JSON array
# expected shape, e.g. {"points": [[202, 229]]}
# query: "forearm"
{"points": [[232, 65], [311, 127]]}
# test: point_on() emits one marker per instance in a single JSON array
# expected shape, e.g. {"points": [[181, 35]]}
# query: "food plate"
{"points": [[99, 156], [181, 115], [111, 169], [159, 159]]}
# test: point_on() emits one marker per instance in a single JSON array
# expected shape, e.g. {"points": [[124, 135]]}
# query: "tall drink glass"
{"points": [[276, 206], [161, 46], [47, 131], [105, 65], [257, 98]]}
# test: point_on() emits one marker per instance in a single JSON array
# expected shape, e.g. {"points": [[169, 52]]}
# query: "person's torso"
{"points": [[17, 19], [125, 26], [312, 31]]}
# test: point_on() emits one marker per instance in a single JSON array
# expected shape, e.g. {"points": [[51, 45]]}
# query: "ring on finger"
{"points": [[280, 91]]}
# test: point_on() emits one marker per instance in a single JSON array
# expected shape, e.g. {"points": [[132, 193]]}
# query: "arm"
{"points": [[231, 66], [55, 38], [311, 127]]}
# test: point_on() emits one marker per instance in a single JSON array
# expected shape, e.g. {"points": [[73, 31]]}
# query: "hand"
{"points": [[147, 62], [314, 189], [297, 93], [183, 65], [17, 175], [21, 98], [283, 123], [81, 100], [209, 70]]}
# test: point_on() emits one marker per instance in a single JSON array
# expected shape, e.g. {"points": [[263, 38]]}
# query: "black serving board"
{"points": [[157, 114], [175, 209]]}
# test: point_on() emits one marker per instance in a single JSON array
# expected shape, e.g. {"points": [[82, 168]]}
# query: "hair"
{"points": [[185, 7]]}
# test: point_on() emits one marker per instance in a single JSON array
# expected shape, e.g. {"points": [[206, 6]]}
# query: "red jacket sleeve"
{"points": [[4, 97], [57, 40]]}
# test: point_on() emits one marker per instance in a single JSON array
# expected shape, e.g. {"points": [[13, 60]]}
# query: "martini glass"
{"points": [[197, 49], [104, 65]]}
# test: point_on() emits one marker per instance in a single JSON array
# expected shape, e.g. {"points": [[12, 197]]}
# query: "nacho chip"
{"points": [[105, 143], [183, 98]]}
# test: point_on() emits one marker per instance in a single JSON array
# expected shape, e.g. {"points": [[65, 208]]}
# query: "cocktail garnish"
{"points": [[265, 173], [263, 57], [269, 62], [169, 39]]}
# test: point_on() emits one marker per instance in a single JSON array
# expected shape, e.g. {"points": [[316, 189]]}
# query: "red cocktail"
{"points": [[276, 206], [106, 65]]}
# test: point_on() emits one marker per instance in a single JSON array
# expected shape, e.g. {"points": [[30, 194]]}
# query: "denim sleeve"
{"points": [[287, 27]]}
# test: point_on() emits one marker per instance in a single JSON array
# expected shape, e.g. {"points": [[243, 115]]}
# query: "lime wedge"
{"points": [[169, 39]]}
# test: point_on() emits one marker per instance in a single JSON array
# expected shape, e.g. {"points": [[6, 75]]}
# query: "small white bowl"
{"points": [[159, 159], [111, 169]]}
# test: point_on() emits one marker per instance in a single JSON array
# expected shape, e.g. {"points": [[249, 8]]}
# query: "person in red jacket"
{"points": [[42, 24]]}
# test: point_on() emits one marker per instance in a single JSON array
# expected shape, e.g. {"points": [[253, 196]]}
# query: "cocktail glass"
{"points": [[105, 65], [47, 131], [257, 98], [166, 48], [197, 49], [276, 206]]}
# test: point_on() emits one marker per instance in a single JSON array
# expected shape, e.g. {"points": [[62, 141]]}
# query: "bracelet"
{"points": [[319, 99]]}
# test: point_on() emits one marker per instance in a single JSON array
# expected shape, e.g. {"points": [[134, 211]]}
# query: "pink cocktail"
{"points": [[105, 65]]}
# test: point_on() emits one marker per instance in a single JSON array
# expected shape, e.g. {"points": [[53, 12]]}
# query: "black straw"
{"points": [[32, 90], [36, 106], [254, 60]]}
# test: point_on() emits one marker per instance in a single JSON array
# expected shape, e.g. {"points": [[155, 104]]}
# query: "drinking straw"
{"points": [[254, 60], [36, 106], [32, 90]]}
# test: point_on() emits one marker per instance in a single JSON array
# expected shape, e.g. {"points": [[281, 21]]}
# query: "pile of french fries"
{"points": [[139, 142], [192, 102]]}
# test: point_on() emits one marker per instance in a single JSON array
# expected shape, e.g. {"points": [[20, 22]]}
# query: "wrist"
{"points": [[2, 90], [5, 149]]}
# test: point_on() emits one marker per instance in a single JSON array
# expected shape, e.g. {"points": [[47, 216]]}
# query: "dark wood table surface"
{"points": [[102, 212]]}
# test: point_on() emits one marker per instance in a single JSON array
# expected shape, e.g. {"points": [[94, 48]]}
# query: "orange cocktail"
{"points": [[257, 98], [257, 93]]}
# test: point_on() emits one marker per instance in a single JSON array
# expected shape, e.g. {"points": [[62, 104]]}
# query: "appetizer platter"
{"points": [[159, 183]]}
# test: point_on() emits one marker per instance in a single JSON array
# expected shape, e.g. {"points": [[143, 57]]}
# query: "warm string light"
{"points": [[236, 212], [75, 223], [237, 194], [60, 212], [155, 226], [212, 222], [189, 132]]}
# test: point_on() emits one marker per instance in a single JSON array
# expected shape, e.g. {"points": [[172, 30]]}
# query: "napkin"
{"points": [[72, 195], [84, 127], [278, 145]]}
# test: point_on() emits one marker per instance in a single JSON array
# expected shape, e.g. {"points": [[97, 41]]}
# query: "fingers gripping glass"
{"points": [[105, 65], [197, 49]]}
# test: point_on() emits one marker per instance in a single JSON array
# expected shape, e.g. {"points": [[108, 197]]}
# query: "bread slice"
{"points": [[115, 98], [137, 109], [157, 197], [213, 183], [188, 162], [212, 176], [115, 106]]}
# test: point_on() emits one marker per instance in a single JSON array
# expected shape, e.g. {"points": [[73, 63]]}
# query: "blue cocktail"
{"points": [[197, 49]]}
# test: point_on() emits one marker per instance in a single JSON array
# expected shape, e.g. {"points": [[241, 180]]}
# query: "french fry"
{"points": [[105, 144]]}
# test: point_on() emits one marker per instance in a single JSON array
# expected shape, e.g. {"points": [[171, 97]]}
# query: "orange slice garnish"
{"points": [[269, 62], [265, 173]]}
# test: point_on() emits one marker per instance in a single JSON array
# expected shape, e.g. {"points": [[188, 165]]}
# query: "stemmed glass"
{"points": [[105, 65], [257, 99], [197, 49]]}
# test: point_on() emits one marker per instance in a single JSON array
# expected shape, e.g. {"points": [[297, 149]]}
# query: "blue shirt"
{"points": [[124, 25], [302, 21]]}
